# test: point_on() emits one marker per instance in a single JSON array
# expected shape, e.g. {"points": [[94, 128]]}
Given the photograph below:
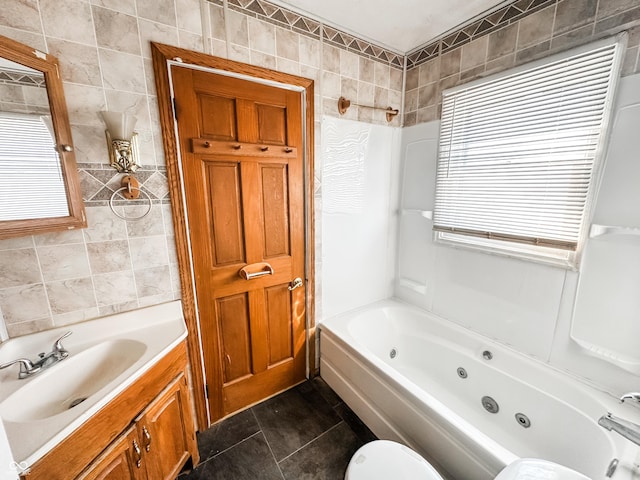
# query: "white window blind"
{"points": [[31, 182], [517, 153]]}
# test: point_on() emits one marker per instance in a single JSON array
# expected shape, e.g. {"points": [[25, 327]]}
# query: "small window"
{"points": [[519, 153]]}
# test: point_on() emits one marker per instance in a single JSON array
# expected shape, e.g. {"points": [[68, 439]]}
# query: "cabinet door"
{"points": [[166, 432], [121, 461]]}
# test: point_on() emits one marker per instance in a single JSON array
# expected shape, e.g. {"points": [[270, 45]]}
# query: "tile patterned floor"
{"points": [[306, 433]]}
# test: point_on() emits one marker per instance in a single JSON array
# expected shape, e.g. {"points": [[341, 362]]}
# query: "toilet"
{"points": [[384, 459]]}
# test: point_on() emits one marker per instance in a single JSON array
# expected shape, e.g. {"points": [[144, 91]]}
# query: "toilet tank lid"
{"points": [[534, 468]]}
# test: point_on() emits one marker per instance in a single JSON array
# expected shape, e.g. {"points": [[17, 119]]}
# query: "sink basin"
{"points": [[71, 381], [107, 355]]}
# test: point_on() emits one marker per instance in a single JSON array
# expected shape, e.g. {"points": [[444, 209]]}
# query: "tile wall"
{"points": [[103, 48], [261, 33], [517, 33]]}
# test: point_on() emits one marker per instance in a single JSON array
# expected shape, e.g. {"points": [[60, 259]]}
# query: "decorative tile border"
{"points": [[344, 40], [99, 182], [504, 16], [298, 23], [17, 77]]}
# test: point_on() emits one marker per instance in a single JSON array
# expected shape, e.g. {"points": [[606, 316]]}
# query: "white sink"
{"points": [[70, 382], [106, 355]]}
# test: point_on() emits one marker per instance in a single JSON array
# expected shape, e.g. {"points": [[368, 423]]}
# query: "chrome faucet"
{"points": [[630, 396], [46, 360], [628, 430]]}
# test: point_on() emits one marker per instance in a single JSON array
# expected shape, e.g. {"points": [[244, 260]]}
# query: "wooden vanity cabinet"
{"points": [[145, 433], [164, 434], [119, 462], [155, 447]]}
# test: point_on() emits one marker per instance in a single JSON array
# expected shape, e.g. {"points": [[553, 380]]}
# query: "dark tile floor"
{"points": [[305, 433]]}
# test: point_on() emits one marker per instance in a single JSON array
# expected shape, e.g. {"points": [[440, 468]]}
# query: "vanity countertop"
{"points": [[106, 355]]}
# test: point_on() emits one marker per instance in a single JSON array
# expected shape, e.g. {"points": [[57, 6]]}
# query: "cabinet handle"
{"points": [[138, 454], [147, 439]]}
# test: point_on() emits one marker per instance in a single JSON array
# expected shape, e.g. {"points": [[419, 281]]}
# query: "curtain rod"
{"points": [[344, 104]]}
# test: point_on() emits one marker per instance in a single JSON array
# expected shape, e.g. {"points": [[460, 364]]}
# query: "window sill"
{"points": [[567, 260]]}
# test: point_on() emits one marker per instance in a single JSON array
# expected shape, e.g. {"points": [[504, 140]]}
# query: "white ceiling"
{"points": [[400, 25]]}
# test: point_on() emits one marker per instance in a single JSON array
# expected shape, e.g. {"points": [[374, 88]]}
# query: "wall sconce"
{"points": [[122, 141]]}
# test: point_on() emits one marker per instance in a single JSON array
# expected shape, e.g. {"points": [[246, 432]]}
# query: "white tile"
{"points": [[112, 256], [104, 225], [70, 20], [149, 252], [156, 32], [115, 288], [70, 295], [349, 64], [15, 243], [122, 71], [262, 36], [153, 281], [24, 303], [61, 262], [19, 267]]}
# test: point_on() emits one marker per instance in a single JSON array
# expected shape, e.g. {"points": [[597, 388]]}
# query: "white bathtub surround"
{"points": [[539, 310], [607, 304], [359, 191], [422, 398], [106, 355]]}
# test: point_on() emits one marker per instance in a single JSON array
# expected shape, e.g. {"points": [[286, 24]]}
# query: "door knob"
{"points": [[297, 282]]}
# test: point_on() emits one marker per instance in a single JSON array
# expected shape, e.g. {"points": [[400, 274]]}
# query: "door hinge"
{"points": [[175, 108], [206, 391]]}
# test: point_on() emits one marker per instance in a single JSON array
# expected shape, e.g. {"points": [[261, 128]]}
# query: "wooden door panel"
{"points": [[235, 331], [225, 210], [232, 284], [275, 209], [279, 323], [273, 105], [249, 193], [276, 379], [272, 124], [252, 205], [218, 117]]}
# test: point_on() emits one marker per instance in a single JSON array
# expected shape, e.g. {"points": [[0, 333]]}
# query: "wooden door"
{"points": [[241, 146], [165, 432]]}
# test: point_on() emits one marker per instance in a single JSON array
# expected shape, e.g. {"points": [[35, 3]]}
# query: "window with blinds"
{"points": [[518, 153], [29, 163]]}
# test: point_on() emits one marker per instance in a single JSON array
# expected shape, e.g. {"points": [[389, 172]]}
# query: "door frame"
{"points": [[163, 57]]}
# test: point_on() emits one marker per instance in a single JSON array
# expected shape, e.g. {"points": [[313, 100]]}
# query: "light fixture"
{"points": [[122, 141]]}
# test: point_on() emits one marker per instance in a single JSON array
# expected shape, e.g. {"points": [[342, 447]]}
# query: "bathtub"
{"points": [[420, 380]]}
